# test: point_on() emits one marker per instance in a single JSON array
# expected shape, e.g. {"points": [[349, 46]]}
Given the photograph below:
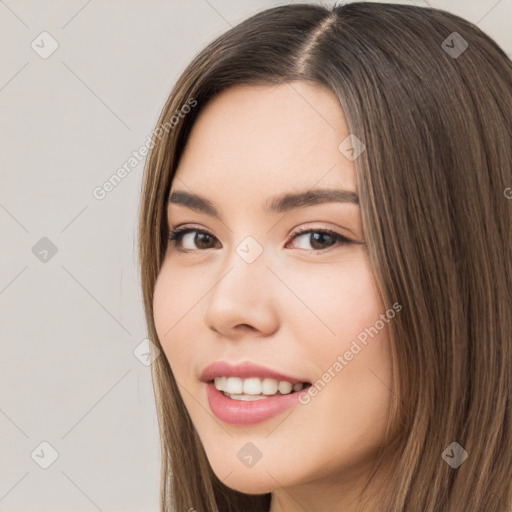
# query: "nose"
{"points": [[243, 298]]}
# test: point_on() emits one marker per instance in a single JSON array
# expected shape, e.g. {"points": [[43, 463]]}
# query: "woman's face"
{"points": [[253, 290]]}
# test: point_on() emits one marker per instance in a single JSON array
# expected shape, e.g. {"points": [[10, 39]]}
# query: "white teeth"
{"points": [[248, 398], [269, 386], [220, 383], [234, 385], [254, 386], [285, 387]]}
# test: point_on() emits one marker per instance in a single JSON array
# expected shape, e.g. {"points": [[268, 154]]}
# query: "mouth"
{"points": [[243, 409], [255, 388], [246, 393]]}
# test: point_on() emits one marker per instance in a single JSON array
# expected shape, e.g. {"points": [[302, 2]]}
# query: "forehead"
{"points": [[260, 139]]}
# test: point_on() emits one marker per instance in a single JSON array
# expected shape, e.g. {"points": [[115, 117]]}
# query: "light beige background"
{"points": [[72, 320]]}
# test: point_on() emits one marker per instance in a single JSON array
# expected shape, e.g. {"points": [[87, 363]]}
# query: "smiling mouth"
{"points": [[254, 388], [252, 400]]}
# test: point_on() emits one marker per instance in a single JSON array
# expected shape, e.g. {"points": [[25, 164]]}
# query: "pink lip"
{"points": [[238, 412], [244, 370]]}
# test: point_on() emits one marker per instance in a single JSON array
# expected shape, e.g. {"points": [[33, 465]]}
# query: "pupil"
{"points": [[316, 236], [201, 236]]}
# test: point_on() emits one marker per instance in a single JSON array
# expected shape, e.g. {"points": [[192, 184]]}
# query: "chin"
{"points": [[248, 481]]}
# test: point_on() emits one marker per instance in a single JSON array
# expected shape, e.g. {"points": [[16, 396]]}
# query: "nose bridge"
{"points": [[243, 271], [242, 292]]}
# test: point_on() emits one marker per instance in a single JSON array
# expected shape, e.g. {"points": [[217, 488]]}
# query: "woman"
{"points": [[325, 259]]}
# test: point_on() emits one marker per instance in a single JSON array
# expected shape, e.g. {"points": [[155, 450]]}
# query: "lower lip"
{"points": [[239, 412]]}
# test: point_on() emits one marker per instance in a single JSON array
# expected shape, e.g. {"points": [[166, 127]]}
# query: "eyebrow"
{"points": [[276, 204]]}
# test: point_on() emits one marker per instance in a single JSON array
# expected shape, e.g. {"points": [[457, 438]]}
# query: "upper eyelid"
{"points": [[187, 227], [295, 233]]}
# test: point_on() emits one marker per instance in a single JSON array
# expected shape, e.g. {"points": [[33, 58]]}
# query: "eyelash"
{"points": [[176, 235]]}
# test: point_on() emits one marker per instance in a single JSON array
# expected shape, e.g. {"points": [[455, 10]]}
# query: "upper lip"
{"points": [[244, 370]]}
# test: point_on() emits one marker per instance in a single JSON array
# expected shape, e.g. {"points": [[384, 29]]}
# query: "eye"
{"points": [[201, 237], [319, 239]]}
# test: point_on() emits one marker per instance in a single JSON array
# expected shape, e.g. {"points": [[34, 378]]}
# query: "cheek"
{"points": [[172, 303], [347, 322], [342, 302], [163, 302]]}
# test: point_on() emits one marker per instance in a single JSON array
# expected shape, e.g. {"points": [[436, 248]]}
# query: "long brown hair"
{"points": [[436, 120]]}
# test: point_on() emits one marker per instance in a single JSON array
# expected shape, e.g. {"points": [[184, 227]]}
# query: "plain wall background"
{"points": [[71, 320]]}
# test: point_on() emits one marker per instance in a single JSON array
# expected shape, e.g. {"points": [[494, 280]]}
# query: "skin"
{"points": [[293, 309]]}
